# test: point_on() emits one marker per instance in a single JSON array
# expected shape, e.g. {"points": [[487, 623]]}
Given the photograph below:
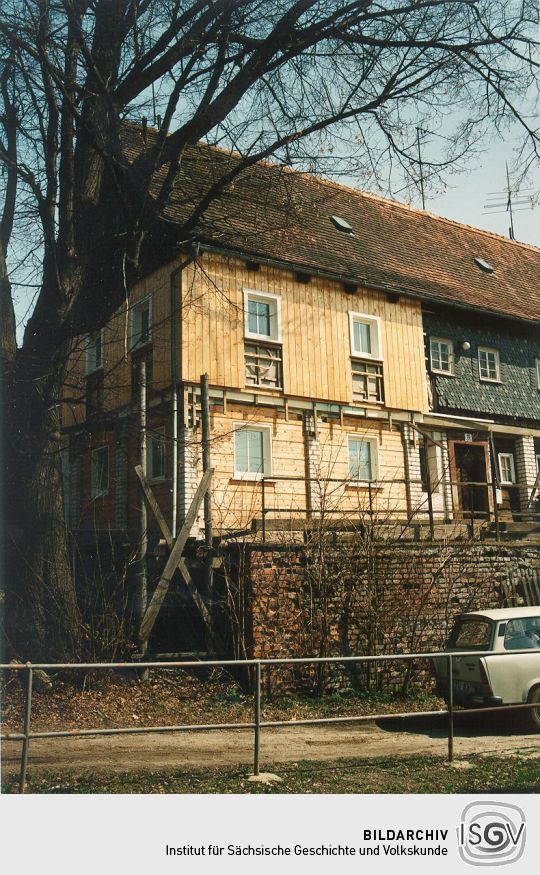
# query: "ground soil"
{"points": [[167, 699], [390, 738]]}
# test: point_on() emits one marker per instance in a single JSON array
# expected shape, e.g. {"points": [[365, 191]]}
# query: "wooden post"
{"points": [[205, 426], [169, 540], [493, 466], [174, 560], [140, 583], [205, 423], [429, 493]]}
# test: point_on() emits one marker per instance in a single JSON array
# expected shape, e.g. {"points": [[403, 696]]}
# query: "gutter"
{"points": [[350, 280]]}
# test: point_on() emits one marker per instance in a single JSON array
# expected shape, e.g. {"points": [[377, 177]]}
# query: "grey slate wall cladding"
{"points": [[517, 396]]}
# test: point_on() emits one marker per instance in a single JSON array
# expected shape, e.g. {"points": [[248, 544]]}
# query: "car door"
{"points": [[512, 673]]}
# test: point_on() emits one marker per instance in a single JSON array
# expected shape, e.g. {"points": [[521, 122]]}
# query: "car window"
{"points": [[471, 635], [522, 634]]}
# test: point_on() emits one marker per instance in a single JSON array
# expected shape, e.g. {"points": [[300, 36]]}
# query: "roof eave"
{"points": [[358, 281]]}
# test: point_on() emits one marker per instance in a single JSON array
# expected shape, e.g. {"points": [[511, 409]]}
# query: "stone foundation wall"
{"points": [[385, 599]]}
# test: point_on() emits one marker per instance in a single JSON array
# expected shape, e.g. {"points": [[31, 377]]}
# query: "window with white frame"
{"points": [[365, 334], [262, 314], [141, 323], [366, 355], [155, 454], [263, 360], [441, 355], [538, 373], [489, 364], [507, 469], [252, 452], [99, 472], [363, 459], [94, 351], [538, 463]]}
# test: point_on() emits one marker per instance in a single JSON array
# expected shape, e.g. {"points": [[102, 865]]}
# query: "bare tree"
{"points": [[290, 79]]}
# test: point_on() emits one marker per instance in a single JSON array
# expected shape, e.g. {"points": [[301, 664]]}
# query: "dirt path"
{"points": [[230, 748]]}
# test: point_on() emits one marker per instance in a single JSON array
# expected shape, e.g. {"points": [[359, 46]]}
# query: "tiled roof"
{"points": [[285, 216]]}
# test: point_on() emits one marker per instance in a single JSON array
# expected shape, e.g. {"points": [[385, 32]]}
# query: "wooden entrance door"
{"points": [[469, 472]]}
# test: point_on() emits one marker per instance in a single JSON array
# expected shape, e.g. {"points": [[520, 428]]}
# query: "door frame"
{"points": [[456, 503]]}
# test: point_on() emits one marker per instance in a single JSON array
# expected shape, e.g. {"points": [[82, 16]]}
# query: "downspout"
{"points": [[175, 280]]}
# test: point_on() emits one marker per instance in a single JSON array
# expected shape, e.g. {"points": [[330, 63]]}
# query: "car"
{"points": [[508, 673]]}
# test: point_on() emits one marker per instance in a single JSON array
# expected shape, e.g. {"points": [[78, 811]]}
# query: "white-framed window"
{"points": [[262, 316], [365, 334], [538, 463], [507, 468], [94, 351], [538, 373], [363, 459], [155, 454], [99, 472], [489, 365], [441, 353], [141, 323], [252, 451]]}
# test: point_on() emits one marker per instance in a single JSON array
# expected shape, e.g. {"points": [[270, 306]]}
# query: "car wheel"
{"points": [[534, 713]]}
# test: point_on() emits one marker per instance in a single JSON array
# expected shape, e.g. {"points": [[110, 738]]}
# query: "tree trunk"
{"points": [[42, 616]]}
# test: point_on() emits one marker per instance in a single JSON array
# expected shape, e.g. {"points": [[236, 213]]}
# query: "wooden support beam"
{"points": [[175, 561]]}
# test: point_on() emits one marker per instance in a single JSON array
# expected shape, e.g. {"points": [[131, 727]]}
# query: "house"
{"points": [[363, 357]]}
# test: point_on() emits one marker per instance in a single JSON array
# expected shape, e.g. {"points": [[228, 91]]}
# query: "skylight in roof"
{"points": [[484, 265], [341, 224]]}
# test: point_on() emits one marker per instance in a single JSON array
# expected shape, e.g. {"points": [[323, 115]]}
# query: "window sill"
{"points": [[251, 478], [442, 373], [364, 485], [490, 380], [365, 357], [263, 338], [360, 403]]}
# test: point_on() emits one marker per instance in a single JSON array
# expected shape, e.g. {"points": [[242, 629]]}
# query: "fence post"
{"points": [[257, 737], [450, 710], [26, 730], [263, 500]]}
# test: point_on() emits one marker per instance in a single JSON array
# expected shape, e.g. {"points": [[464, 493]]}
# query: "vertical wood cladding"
{"points": [[315, 332]]}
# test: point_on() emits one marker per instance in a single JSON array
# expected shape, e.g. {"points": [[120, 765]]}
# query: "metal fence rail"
{"points": [[257, 724]]}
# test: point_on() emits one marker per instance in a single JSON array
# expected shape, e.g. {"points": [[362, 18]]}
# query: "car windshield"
{"points": [[471, 634]]}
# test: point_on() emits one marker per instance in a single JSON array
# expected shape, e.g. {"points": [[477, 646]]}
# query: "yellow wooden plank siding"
{"points": [[315, 332], [118, 354], [237, 501]]}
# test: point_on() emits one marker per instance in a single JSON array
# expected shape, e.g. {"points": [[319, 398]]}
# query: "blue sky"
{"points": [[467, 193]]}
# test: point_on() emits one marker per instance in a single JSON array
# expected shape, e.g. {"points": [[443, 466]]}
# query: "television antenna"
{"points": [[510, 201]]}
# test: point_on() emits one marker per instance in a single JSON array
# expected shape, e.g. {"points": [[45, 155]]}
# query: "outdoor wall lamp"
{"points": [[465, 346]]}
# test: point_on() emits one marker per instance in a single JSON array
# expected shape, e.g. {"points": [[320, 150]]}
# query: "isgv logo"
{"points": [[491, 833]]}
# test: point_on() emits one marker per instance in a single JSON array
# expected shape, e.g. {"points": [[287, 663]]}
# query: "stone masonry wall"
{"points": [[388, 599]]}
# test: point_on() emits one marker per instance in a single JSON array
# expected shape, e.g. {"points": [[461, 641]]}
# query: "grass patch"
{"points": [[512, 774]]}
